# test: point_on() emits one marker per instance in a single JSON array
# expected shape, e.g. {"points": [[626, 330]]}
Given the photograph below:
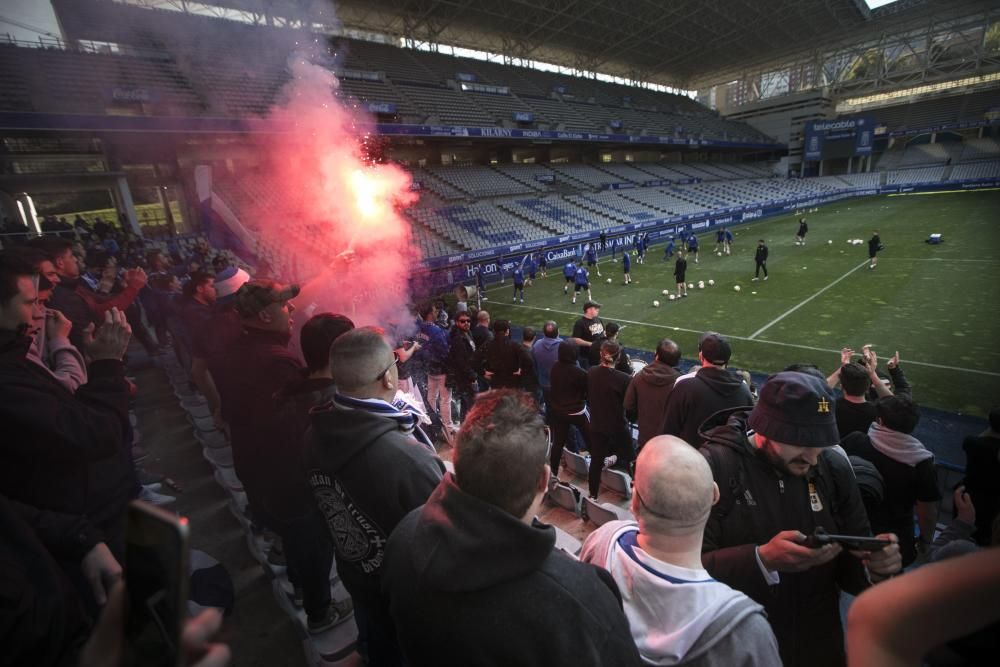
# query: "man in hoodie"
{"points": [[368, 465], [567, 402], [907, 469], [712, 388], [500, 358], [545, 352], [779, 480], [474, 578], [290, 508], [650, 389], [678, 614]]}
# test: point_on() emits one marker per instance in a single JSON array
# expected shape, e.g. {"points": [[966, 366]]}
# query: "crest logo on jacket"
{"points": [[356, 538]]}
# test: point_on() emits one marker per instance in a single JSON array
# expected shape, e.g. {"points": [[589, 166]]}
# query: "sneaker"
{"points": [[765, 277], [522, 300], [338, 612], [154, 498], [514, 300], [754, 279]]}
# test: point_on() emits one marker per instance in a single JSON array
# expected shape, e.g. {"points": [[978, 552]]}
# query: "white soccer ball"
{"points": [[690, 285], [701, 284], [830, 241], [711, 282], [665, 292], [719, 254], [672, 297], [656, 304], [609, 281], [736, 287]]}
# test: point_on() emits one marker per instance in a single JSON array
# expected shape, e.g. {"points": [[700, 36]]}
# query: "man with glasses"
{"points": [[368, 464], [461, 364], [677, 612]]}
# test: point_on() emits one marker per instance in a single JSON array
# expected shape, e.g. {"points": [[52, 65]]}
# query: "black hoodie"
{"points": [[694, 399], [568, 392], [647, 396], [469, 584], [757, 501], [365, 475]]}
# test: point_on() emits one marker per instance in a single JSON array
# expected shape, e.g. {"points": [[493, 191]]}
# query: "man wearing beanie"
{"points": [[778, 482]]}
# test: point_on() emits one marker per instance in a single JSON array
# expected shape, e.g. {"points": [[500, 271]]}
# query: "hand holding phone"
{"points": [[863, 543]]}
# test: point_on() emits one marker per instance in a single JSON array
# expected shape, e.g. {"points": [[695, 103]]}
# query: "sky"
{"points": [[36, 13]]}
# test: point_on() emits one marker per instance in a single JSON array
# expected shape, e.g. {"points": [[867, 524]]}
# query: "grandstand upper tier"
{"points": [[160, 62]]}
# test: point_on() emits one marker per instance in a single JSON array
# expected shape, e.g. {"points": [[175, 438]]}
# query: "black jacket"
{"points": [[760, 255], [695, 399], [757, 502], [606, 389], [65, 452], [42, 622], [469, 584], [647, 397], [289, 495], [461, 359], [568, 393], [256, 368], [365, 475], [500, 357]]}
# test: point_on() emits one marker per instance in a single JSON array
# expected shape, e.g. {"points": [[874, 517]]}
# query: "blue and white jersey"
{"points": [[720, 236], [582, 276], [692, 242], [569, 270], [518, 276], [591, 255]]}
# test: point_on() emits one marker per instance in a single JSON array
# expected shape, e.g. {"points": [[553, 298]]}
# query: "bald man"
{"points": [[368, 465], [678, 614]]}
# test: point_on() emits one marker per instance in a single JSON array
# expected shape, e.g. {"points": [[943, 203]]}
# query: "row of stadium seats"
{"points": [[213, 56]]}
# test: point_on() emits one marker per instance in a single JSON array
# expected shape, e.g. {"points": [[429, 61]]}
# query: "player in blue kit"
{"points": [[729, 241], [531, 266], [518, 277], [543, 264], [569, 272], [591, 254], [581, 282], [627, 267], [693, 247], [640, 250], [668, 250], [720, 239], [480, 282]]}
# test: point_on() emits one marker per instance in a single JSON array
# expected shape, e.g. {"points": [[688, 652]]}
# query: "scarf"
{"points": [[901, 447], [400, 412]]}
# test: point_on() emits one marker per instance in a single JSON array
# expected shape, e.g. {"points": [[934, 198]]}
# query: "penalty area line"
{"points": [[762, 341], [802, 303]]}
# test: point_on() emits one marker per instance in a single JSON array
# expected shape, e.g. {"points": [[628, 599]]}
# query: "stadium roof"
{"points": [[675, 42]]}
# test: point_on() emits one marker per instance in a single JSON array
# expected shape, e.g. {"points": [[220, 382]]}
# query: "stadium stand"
{"points": [[975, 170], [911, 176]]}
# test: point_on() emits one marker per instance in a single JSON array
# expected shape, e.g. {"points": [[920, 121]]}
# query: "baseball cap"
{"points": [[256, 295], [590, 304], [715, 348], [228, 281], [796, 409]]}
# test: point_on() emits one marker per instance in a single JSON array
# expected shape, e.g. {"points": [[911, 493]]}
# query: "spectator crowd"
{"points": [[339, 439]]}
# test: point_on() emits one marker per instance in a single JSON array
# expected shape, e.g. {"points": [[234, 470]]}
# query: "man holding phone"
{"points": [[779, 481]]}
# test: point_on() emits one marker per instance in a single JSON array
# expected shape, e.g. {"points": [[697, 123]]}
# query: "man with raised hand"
{"points": [[779, 481], [678, 614]]}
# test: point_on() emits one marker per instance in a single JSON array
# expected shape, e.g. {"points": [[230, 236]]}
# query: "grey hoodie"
{"points": [[680, 616], [545, 352]]}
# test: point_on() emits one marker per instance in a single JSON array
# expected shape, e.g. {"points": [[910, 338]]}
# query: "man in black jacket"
{"points": [[368, 465], [760, 259], [713, 387], [650, 389], [462, 368], [500, 359], [474, 578], [778, 482], [63, 452]]}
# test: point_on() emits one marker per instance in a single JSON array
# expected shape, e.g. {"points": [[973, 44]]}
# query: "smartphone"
{"points": [[851, 542], [156, 579]]}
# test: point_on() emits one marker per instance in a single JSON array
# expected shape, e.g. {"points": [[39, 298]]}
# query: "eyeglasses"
{"points": [[395, 360], [463, 321]]}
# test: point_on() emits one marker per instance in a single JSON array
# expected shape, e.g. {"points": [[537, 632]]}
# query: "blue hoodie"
{"points": [[545, 352]]}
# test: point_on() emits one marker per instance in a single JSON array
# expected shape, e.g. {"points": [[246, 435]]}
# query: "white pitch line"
{"points": [[802, 303], [942, 259], [748, 339]]}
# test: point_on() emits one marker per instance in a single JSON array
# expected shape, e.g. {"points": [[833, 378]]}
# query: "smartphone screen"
{"points": [[156, 575]]}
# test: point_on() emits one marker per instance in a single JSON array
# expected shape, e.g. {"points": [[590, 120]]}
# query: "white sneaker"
{"points": [[158, 499]]}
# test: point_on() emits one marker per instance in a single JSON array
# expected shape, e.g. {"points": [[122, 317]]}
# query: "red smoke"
{"points": [[340, 229]]}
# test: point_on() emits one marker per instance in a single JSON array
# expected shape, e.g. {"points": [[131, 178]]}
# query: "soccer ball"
{"points": [[672, 297], [656, 304], [690, 285], [736, 287], [719, 254], [830, 241], [701, 284], [711, 282], [665, 292], [609, 281]]}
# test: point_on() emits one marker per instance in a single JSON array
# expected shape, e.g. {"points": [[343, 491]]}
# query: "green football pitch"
{"points": [[937, 305]]}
